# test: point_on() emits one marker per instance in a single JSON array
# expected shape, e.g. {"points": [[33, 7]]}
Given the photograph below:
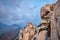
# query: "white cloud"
{"points": [[19, 11]]}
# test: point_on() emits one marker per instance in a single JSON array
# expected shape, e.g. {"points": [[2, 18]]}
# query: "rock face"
{"points": [[48, 29], [27, 33]]}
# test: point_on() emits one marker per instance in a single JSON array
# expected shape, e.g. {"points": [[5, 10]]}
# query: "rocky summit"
{"points": [[48, 29]]}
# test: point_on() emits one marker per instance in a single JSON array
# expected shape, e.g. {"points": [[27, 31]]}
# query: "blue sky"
{"points": [[21, 11]]}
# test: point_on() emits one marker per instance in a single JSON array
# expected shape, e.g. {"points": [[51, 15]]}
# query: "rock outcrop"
{"points": [[48, 29], [27, 33]]}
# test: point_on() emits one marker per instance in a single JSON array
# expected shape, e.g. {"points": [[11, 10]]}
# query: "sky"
{"points": [[21, 11]]}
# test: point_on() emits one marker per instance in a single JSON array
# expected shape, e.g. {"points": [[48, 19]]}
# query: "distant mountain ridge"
{"points": [[9, 32], [3, 28]]}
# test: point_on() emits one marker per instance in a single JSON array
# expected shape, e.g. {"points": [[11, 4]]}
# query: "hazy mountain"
{"points": [[3, 28], [9, 32], [15, 26]]}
